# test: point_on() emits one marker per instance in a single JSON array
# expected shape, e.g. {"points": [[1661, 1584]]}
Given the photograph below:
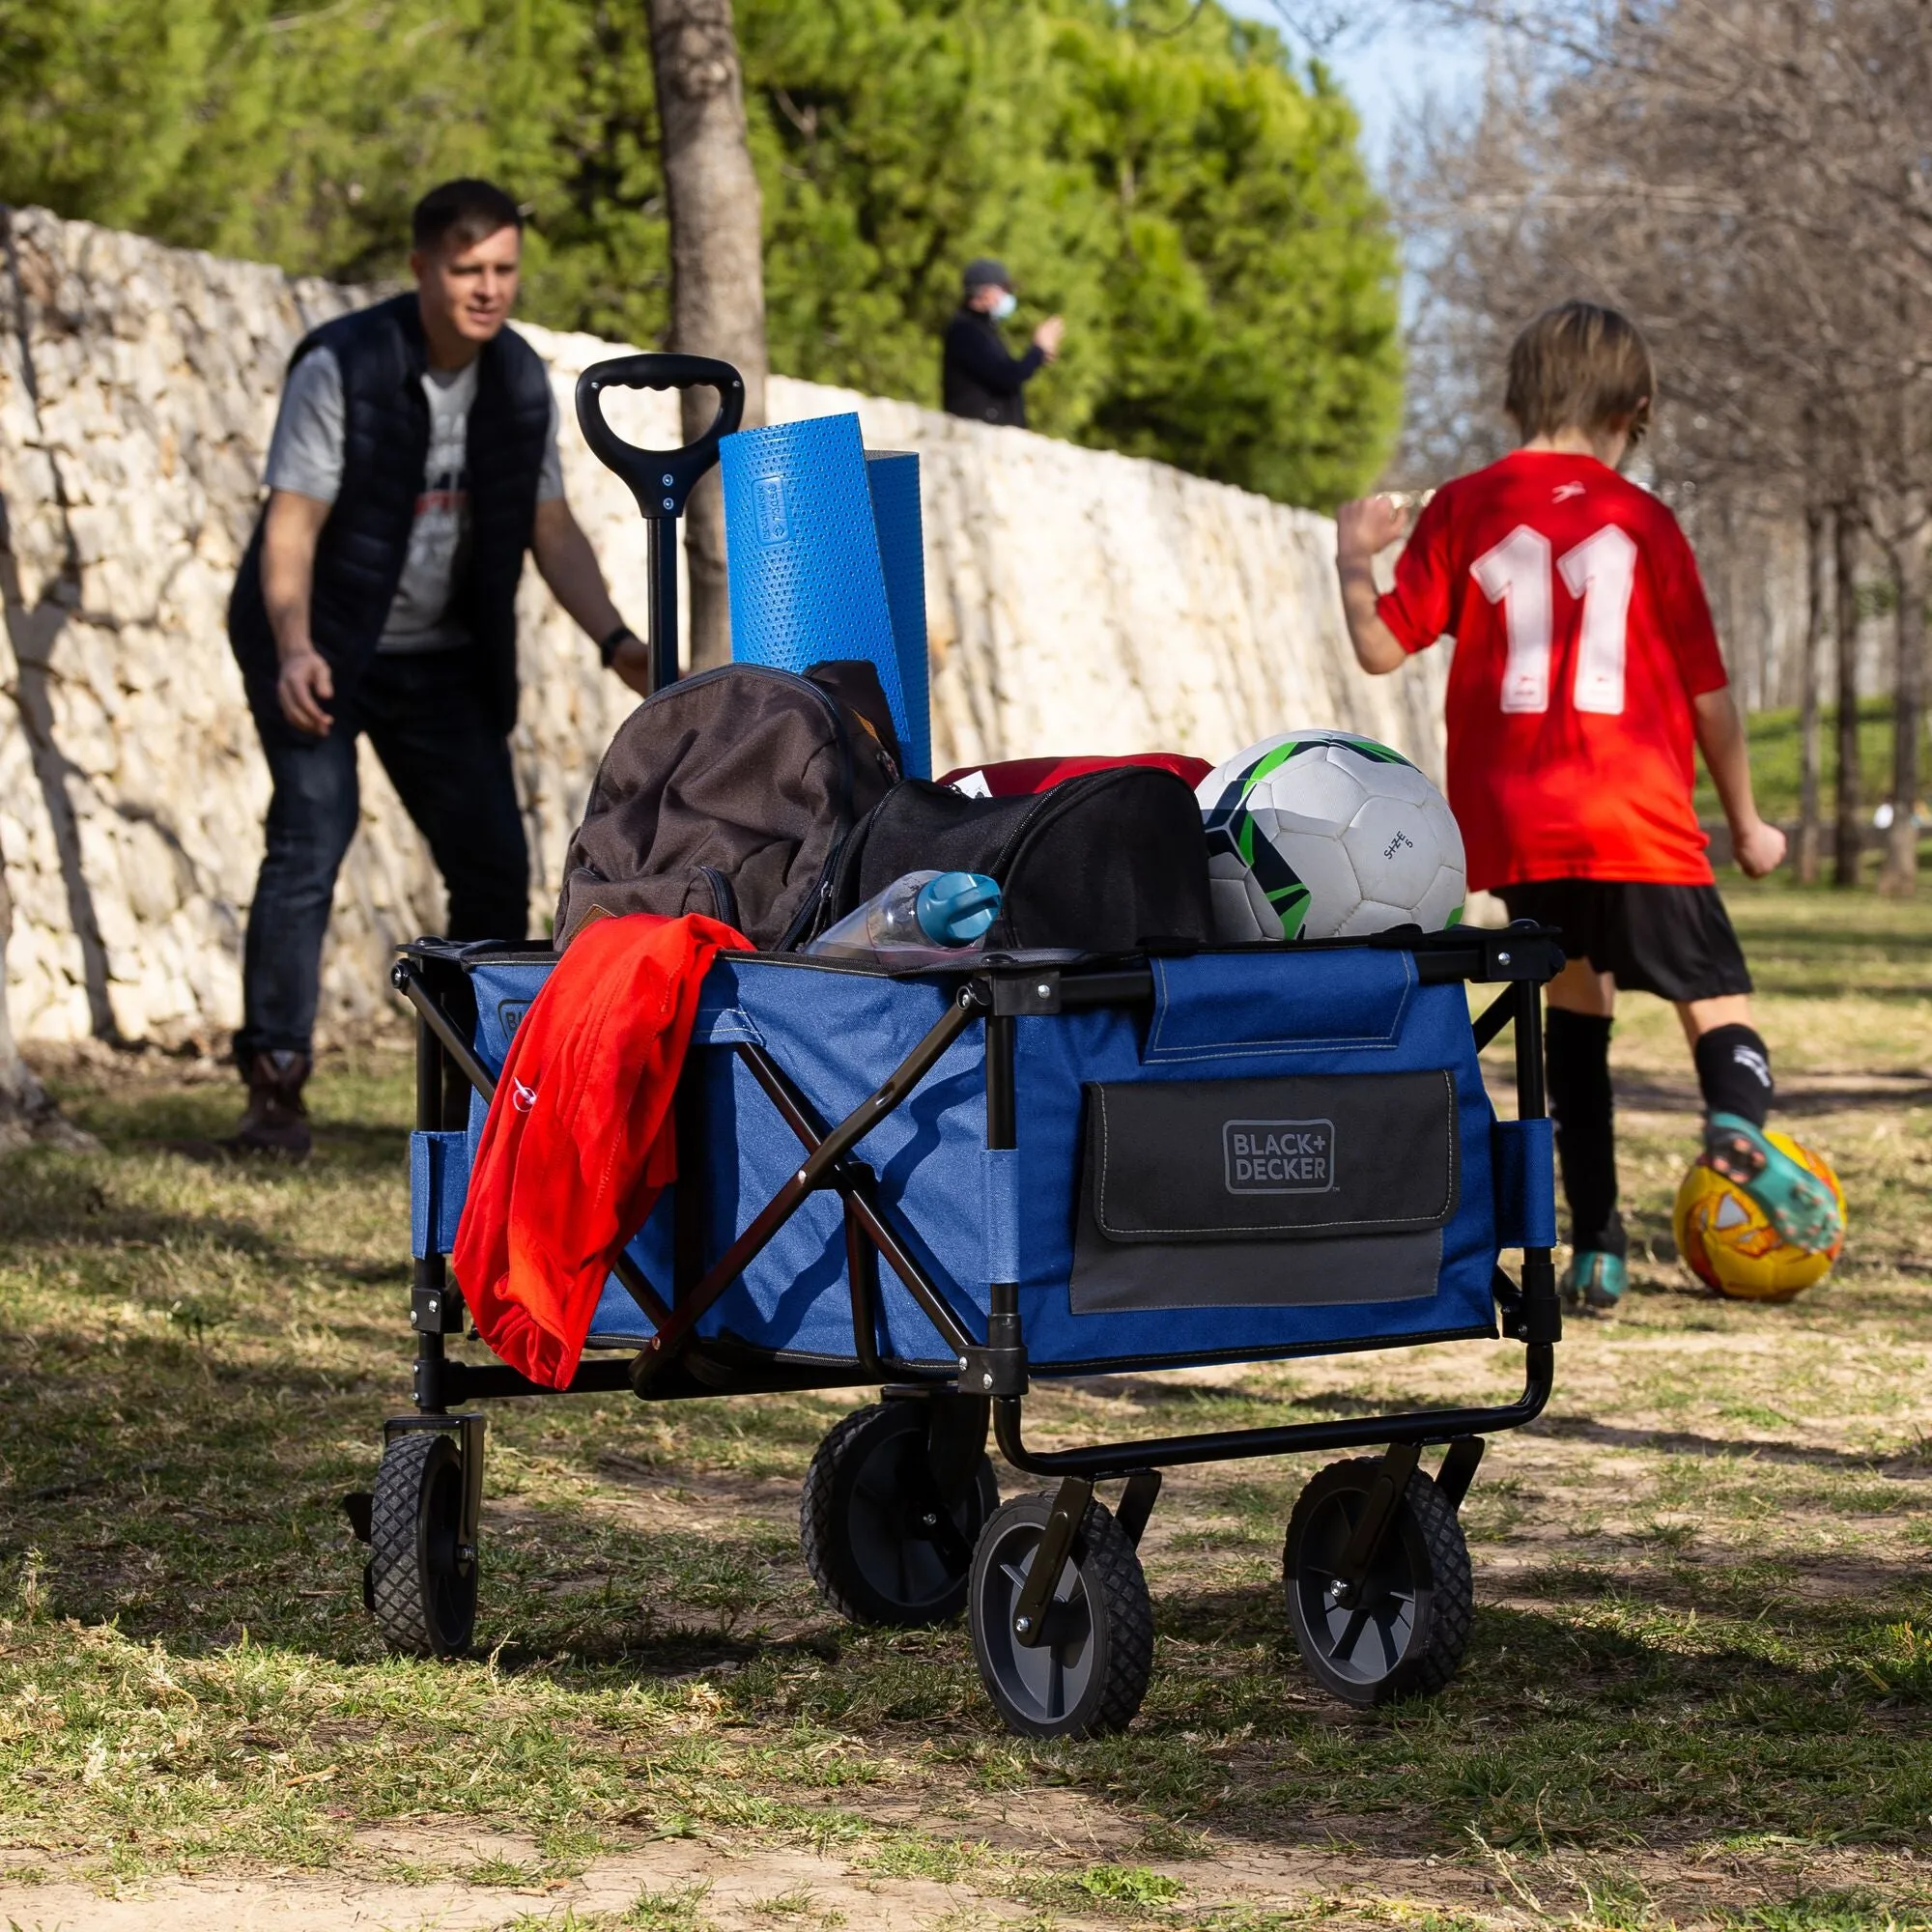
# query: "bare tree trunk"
{"points": [[1844, 565], [1805, 860], [1899, 874], [716, 263]]}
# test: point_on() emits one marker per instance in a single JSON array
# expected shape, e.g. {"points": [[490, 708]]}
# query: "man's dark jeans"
{"points": [[425, 718]]}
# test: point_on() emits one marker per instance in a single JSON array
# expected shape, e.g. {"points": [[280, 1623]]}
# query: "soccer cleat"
{"points": [[1593, 1279], [1799, 1205]]}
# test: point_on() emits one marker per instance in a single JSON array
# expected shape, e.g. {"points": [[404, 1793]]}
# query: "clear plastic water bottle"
{"points": [[931, 914]]}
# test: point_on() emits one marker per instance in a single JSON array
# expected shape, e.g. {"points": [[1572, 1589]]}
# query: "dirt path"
{"points": [[693, 1883]]}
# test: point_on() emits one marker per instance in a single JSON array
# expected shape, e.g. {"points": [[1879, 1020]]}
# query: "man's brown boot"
{"points": [[276, 1122]]}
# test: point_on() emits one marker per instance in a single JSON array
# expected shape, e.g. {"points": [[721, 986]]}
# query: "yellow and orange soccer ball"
{"points": [[1729, 1244]]}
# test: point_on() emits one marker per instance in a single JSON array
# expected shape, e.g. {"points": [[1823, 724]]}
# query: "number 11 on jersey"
{"points": [[1600, 571]]}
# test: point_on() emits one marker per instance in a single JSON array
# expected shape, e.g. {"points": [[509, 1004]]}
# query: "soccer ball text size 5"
{"points": [[1323, 835]]}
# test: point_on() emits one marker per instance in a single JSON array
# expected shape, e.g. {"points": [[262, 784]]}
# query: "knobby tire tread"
{"points": [[1106, 1553], [1452, 1609], [1115, 1587], [819, 1528], [396, 1594], [817, 1514]]}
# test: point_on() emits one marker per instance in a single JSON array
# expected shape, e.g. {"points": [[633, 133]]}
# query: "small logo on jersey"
{"points": [[521, 1097], [1563, 492]]}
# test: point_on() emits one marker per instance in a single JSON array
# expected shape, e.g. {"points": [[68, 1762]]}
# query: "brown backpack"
{"points": [[732, 793]]}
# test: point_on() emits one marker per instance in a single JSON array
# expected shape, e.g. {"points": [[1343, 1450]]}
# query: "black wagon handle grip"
{"points": [[662, 480]]}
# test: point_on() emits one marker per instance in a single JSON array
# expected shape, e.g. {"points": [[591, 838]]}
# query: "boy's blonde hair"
{"points": [[1580, 366]]}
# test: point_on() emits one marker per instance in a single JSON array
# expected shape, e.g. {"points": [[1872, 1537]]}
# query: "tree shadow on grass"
{"points": [[1573, 1427], [1640, 1094], [52, 1201]]}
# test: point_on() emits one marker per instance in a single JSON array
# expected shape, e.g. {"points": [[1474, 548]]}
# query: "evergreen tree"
{"points": [[1196, 207]]}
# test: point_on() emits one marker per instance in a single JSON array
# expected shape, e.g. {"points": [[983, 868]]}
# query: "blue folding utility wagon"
{"points": [[951, 1183]]}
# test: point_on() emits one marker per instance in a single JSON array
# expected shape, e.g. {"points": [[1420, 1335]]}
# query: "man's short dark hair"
{"points": [[986, 274], [1580, 366], [460, 213]]}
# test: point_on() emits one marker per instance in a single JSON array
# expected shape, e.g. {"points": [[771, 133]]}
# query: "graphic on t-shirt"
{"points": [[440, 528]]}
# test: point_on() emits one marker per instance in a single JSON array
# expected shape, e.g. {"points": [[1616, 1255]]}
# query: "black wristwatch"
{"points": [[610, 647]]}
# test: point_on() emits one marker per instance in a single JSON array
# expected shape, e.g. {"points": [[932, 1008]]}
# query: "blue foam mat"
{"points": [[824, 559], [894, 477]]}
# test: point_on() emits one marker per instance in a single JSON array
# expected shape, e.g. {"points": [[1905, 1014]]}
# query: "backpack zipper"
{"points": [[722, 894], [1047, 806]]}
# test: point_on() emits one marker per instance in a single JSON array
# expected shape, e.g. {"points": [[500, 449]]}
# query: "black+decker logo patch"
{"points": [[1278, 1157]]}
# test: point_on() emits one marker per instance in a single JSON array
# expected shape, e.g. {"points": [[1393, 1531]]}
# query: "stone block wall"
{"points": [[1077, 601]]}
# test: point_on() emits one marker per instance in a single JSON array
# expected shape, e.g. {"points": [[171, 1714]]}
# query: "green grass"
{"points": [[1699, 1691], [1775, 754]]}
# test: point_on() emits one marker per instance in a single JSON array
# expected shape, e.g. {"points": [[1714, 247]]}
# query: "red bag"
{"points": [[1013, 778]]}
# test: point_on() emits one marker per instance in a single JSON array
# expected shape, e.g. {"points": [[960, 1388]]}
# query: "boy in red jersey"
{"points": [[1585, 666]]}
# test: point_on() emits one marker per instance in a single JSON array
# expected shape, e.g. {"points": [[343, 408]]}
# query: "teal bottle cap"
{"points": [[956, 908]]}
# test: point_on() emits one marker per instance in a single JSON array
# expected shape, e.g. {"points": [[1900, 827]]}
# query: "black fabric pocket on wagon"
{"points": [[1299, 1190]]}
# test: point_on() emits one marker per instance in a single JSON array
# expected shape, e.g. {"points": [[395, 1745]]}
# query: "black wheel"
{"points": [[1405, 1632], [878, 1538], [1088, 1676], [422, 1584]]}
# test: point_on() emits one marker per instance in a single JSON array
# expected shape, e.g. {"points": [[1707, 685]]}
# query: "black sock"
{"points": [[1734, 1070], [1577, 1056]]}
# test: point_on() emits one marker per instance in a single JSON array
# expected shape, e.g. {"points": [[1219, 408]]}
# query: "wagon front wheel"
{"points": [[1089, 1672], [421, 1578], [1401, 1631]]}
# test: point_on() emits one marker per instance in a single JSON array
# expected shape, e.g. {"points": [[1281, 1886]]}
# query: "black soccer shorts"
{"points": [[1674, 941]]}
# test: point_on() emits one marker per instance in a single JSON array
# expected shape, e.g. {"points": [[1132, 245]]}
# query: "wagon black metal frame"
{"points": [[987, 1384]]}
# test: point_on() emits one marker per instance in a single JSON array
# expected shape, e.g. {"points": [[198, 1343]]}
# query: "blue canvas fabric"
{"points": [[1525, 1186], [974, 1217], [439, 1180]]}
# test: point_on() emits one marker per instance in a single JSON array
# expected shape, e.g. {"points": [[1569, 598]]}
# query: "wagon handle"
{"points": [[661, 480]]}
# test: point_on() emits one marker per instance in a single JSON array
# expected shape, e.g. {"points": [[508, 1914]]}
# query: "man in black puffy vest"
{"points": [[414, 463]]}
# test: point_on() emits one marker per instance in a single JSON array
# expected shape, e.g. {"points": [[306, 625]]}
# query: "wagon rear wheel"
{"points": [[1402, 1632], [882, 1542]]}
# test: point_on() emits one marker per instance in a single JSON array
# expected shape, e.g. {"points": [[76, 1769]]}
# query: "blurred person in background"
{"points": [[981, 379]]}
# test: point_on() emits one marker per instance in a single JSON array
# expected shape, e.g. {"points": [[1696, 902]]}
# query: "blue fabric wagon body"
{"points": [[1330, 1024]]}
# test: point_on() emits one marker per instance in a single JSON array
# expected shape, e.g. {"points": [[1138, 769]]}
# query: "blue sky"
{"points": [[1392, 71]]}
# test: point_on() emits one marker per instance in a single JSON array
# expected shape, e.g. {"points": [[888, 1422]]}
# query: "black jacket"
{"points": [[980, 377], [364, 542]]}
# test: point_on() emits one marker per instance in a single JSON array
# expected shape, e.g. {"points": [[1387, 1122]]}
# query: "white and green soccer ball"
{"points": [[1322, 835]]}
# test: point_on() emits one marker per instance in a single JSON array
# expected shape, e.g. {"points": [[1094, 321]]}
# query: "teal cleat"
{"points": [[1796, 1201], [1593, 1279]]}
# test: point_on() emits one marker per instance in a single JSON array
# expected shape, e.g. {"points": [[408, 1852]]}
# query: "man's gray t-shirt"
{"points": [[306, 456]]}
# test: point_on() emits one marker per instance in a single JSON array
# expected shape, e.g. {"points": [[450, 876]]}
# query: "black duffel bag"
{"points": [[1109, 862]]}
